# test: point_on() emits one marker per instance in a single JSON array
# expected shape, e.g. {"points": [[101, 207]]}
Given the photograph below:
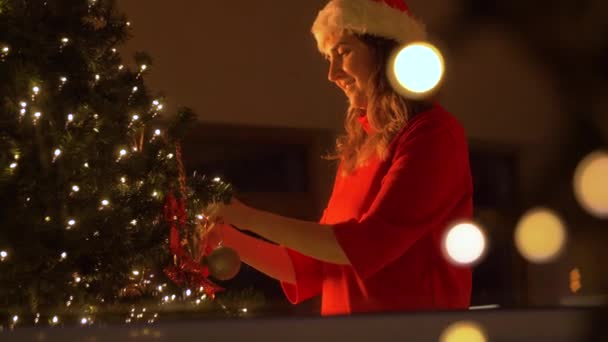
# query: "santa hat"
{"points": [[390, 19]]}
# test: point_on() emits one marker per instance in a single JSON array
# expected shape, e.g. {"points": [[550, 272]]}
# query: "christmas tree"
{"points": [[90, 176]]}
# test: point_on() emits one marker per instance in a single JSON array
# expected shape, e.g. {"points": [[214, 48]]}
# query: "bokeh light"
{"points": [[540, 235], [464, 244], [463, 332], [591, 184], [416, 70]]}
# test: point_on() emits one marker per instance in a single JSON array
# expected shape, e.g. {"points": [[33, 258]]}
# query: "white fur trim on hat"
{"points": [[367, 17]]}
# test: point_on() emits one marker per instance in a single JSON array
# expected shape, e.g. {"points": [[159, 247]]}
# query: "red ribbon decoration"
{"points": [[185, 271]]}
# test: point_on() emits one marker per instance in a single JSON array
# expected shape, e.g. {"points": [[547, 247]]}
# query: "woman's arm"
{"points": [[309, 238], [267, 258]]}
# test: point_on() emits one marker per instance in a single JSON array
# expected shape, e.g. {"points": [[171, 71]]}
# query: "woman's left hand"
{"points": [[232, 213]]}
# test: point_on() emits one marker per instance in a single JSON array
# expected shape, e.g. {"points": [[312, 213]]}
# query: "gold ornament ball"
{"points": [[224, 263]]}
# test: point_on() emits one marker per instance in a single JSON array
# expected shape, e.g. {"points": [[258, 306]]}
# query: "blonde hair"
{"points": [[388, 112]]}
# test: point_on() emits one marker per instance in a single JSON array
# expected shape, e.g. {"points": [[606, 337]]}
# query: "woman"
{"points": [[403, 178]]}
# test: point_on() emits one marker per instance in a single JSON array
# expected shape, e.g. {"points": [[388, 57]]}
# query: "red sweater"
{"points": [[389, 217]]}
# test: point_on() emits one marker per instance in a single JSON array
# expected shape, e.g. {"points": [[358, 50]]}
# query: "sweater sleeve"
{"points": [[308, 272], [425, 181]]}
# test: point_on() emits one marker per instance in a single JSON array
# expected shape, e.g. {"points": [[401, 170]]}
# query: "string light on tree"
{"points": [[35, 91], [540, 235], [4, 52], [63, 256], [3, 255], [464, 244], [71, 223], [62, 81], [416, 70], [591, 184], [56, 154], [37, 117], [121, 154]]}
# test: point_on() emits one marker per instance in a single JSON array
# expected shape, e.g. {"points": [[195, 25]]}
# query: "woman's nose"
{"points": [[335, 70]]}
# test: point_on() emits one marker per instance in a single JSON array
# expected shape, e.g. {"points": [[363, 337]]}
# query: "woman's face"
{"points": [[351, 64]]}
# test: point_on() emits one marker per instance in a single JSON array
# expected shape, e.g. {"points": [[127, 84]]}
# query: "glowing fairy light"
{"points": [[77, 279], [84, 321], [155, 102], [188, 293], [200, 217], [143, 67], [37, 115], [217, 179], [15, 319], [244, 310], [135, 117], [122, 153], [463, 331], [135, 89], [157, 132], [159, 107], [55, 320], [71, 222], [591, 184], [134, 222], [160, 288], [123, 180], [113, 50], [57, 152], [105, 202], [65, 40], [70, 117], [170, 155], [128, 23], [23, 104], [464, 244], [36, 90], [13, 165], [416, 70], [135, 272], [63, 256], [155, 194], [97, 77], [47, 219], [120, 67], [63, 79], [86, 165], [3, 255], [540, 235], [75, 188], [5, 50]]}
